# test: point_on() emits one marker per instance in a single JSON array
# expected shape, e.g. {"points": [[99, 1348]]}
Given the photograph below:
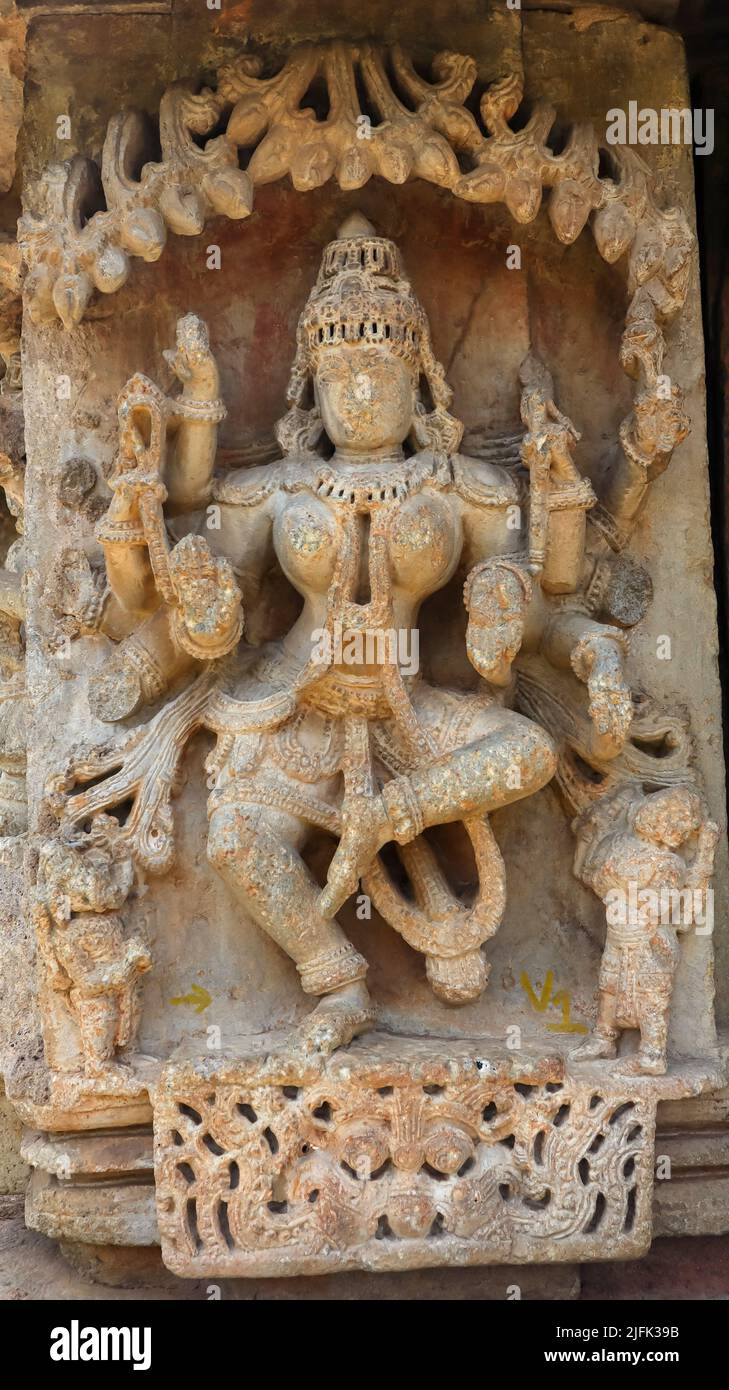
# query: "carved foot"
{"points": [[596, 1046], [117, 1072], [337, 1018], [643, 1063]]}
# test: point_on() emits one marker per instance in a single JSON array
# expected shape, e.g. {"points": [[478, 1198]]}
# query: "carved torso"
{"points": [[422, 547], [366, 543]]}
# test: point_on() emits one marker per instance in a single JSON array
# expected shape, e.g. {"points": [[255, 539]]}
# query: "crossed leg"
{"points": [[256, 849], [506, 758]]}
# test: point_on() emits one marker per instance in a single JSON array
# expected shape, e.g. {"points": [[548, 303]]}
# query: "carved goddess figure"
{"points": [[370, 510]]}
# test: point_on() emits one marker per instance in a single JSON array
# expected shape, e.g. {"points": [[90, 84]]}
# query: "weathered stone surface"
{"points": [[13, 1171], [12, 72], [692, 1149], [389, 1159], [118, 1214], [440, 442], [95, 1155], [33, 1266]]}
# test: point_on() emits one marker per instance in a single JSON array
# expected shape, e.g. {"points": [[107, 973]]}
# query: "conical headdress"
{"points": [[362, 295]]}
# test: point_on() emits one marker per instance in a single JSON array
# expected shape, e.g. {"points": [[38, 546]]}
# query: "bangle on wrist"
{"points": [[120, 532]]}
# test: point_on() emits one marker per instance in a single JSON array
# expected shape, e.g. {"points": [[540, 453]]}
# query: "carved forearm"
{"points": [[624, 490], [567, 638], [128, 567], [701, 869], [568, 504], [189, 476], [595, 652], [144, 665], [648, 437], [196, 413]]}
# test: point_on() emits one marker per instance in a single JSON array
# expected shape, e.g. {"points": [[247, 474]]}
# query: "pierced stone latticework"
{"points": [[368, 1167]]}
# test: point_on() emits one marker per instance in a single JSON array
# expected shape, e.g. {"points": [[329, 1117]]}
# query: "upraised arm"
{"points": [[126, 554], [194, 418], [180, 566], [167, 449], [559, 497]]}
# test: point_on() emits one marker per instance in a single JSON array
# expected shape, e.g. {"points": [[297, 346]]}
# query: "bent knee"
{"points": [[531, 755], [233, 832], [542, 759], [237, 832]]}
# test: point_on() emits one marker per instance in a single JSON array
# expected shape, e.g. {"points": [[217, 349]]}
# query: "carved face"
{"points": [[87, 878], [366, 396], [669, 817]]}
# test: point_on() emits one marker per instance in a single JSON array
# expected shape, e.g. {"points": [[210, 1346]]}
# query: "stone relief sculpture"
{"points": [[344, 740], [327, 1147], [628, 852], [83, 881], [420, 1175], [84, 223]]}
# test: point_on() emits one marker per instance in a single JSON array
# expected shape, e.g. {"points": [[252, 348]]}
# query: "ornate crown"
{"points": [[362, 296]]}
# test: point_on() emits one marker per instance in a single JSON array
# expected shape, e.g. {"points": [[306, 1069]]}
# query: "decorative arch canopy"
{"points": [[83, 224]]}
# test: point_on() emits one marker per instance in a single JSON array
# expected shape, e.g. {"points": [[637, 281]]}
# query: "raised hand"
{"points": [[366, 829], [496, 595], [192, 361], [207, 620]]}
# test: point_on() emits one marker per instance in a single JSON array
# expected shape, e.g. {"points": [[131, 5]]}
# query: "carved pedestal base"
{"points": [[396, 1155], [114, 1212]]}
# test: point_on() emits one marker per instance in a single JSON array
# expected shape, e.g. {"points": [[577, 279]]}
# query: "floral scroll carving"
{"points": [[85, 223], [362, 1173]]}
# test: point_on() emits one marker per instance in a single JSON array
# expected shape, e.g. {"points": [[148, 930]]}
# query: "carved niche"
{"points": [[340, 1142]]}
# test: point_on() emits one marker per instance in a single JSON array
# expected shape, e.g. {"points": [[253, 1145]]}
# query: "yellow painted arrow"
{"points": [[198, 998]]}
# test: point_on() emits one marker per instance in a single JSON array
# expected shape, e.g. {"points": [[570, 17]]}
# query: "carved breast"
{"points": [[305, 538], [422, 542]]}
